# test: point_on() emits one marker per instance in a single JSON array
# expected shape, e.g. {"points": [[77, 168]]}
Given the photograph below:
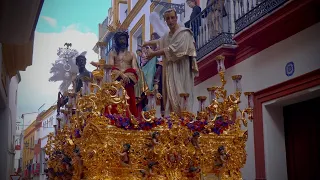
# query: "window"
{"points": [[139, 41], [126, 12]]}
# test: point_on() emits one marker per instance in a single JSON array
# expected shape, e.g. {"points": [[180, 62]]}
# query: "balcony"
{"points": [[212, 28], [217, 24], [246, 12]]}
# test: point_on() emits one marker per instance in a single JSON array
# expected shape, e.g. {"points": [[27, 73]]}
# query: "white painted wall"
{"points": [[8, 130], [145, 10], [44, 130], [122, 14], [266, 69], [13, 89], [274, 140]]}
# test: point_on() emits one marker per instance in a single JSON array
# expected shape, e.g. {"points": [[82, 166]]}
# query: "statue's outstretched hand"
{"points": [[159, 96], [94, 64]]}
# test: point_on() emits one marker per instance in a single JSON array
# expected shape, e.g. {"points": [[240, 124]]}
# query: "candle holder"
{"points": [[151, 100], [202, 110], [184, 101], [250, 104], [184, 106], [227, 105], [220, 63], [150, 114], [237, 83], [201, 100], [212, 94]]}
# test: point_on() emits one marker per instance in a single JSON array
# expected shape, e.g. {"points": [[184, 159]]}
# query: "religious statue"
{"points": [[125, 67], [125, 160], [154, 140], [194, 140], [78, 164], [221, 158], [141, 86], [178, 53], [62, 100], [148, 68], [84, 74], [149, 167], [192, 171]]}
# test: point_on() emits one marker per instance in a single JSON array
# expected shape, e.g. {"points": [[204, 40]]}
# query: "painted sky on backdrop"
{"points": [[56, 15], [60, 21]]}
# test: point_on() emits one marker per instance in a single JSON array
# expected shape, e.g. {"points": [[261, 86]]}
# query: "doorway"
{"points": [[302, 137]]}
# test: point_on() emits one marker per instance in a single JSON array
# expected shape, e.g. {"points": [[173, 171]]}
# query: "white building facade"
{"points": [[48, 124], [265, 69], [16, 131]]}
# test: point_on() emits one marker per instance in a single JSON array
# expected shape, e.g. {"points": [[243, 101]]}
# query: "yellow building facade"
{"points": [[28, 144]]}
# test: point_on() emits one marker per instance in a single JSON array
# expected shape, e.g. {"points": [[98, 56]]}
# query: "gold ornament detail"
{"points": [[96, 144]]}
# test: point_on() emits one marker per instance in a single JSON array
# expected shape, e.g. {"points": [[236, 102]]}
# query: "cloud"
{"points": [[51, 21], [34, 88], [71, 27]]}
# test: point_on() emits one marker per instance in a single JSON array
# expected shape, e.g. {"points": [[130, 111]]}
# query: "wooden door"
{"points": [[302, 135]]}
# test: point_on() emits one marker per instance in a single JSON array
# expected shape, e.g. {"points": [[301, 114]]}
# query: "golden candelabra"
{"points": [[96, 144]]}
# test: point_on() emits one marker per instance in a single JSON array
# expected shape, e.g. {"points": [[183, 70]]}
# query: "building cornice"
{"points": [[129, 6], [142, 23], [133, 13], [123, 1], [47, 112]]}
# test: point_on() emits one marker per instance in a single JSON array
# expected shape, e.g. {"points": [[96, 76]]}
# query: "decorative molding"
{"points": [[152, 6], [123, 1], [142, 23], [129, 6], [133, 13], [294, 85], [115, 12]]}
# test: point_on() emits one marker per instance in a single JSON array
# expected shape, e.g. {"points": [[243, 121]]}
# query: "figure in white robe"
{"points": [[178, 53]]}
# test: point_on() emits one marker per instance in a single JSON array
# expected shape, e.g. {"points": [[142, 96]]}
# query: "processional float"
{"points": [[93, 144]]}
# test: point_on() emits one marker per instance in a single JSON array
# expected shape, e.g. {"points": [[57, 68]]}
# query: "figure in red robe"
{"points": [[124, 68]]}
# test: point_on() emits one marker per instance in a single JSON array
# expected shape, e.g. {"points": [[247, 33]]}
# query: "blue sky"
{"points": [[86, 14]]}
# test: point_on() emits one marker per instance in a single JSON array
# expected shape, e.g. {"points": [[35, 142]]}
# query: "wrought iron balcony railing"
{"points": [[212, 27], [246, 12]]}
